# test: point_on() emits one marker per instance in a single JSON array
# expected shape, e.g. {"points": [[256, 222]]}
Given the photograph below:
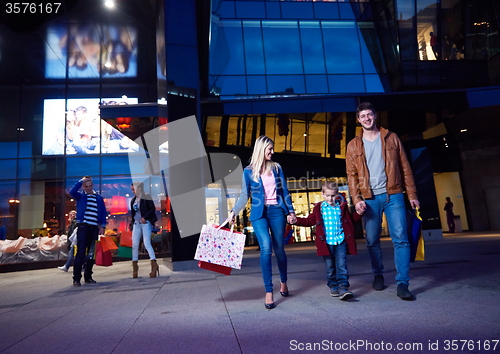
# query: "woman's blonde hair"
{"points": [[138, 186], [258, 162]]}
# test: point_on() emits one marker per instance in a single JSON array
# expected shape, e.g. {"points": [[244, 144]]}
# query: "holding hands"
{"points": [[291, 218]]}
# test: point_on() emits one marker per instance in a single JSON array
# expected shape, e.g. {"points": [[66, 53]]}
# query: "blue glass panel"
{"points": [[254, 52], [285, 84], [227, 9], [341, 45], [373, 83], [282, 47], [273, 10], [115, 165], [257, 85], [232, 85], [24, 166], [326, 10], [316, 84], [312, 47], [346, 12], [368, 65], [8, 170], [346, 83], [253, 9], [82, 165], [297, 10], [25, 149], [9, 150], [226, 50]]}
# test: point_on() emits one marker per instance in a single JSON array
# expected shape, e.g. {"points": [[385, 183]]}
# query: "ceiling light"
{"points": [[109, 3]]}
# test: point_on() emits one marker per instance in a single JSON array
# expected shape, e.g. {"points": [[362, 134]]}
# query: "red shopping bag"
{"points": [[126, 239], [107, 244], [215, 267], [104, 259]]}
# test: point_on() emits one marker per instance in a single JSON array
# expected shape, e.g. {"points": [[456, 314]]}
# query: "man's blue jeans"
{"points": [[337, 276], [86, 236], [273, 219], [394, 208]]}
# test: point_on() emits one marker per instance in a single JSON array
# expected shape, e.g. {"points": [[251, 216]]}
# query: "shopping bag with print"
{"points": [[220, 246]]}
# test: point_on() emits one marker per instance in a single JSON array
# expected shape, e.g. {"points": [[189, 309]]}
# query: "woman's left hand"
{"points": [[291, 218], [143, 220]]}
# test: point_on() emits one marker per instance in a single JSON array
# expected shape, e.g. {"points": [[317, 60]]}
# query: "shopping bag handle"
{"points": [[225, 222]]}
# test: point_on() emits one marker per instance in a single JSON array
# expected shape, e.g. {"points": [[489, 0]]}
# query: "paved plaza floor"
{"points": [[456, 309]]}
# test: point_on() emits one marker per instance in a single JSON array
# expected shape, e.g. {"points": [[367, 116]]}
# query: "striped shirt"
{"points": [[332, 220], [90, 216]]}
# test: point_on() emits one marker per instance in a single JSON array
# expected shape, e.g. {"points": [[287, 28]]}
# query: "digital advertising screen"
{"points": [[77, 128]]}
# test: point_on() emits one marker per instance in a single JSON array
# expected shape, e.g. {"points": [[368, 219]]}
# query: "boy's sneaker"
{"points": [[334, 292], [345, 294], [63, 268]]}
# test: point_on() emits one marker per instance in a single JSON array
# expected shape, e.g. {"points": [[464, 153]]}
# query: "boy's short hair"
{"points": [[331, 185]]}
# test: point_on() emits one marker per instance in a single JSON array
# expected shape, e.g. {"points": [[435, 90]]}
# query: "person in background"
{"points": [[91, 221], [434, 45], [71, 246], [271, 208], [334, 237], [450, 217], [378, 173], [143, 219]]}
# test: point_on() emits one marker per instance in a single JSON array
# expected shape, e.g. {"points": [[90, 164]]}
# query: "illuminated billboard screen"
{"points": [[78, 129], [91, 51]]}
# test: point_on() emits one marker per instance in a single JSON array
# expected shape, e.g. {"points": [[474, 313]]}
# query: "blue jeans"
{"points": [[71, 257], [273, 219], [144, 231], [394, 208], [86, 237], [336, 267]]}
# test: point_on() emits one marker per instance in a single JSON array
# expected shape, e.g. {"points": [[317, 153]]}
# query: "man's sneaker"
{"points": [[404, 293], [378, 283], [63, 268], [76, 283], [90, 281], [345, 294], [334, 292]]}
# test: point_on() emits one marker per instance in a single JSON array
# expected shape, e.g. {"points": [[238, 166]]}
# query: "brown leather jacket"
{"points": [[397, 168]]}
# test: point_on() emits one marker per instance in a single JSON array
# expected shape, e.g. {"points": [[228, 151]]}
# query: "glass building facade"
{"points": [[293, 70]]}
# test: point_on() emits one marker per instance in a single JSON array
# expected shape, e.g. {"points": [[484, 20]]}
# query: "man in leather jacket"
{"points": [[378, 172]]}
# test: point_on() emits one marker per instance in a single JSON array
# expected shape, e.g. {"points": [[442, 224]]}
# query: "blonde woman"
{"points": [[143, 219], [271, 208]]}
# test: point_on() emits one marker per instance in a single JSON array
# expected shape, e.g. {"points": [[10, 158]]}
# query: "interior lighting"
{"points": [[21, 129], [463, 130], [107, 64], [109, 4], [124, 97]]}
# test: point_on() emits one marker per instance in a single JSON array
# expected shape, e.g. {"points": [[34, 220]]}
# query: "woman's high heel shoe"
{"points": [[271, 305], [284, 293]]}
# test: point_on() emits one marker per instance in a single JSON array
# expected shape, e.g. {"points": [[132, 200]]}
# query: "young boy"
{"points": [[334, 237]]}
